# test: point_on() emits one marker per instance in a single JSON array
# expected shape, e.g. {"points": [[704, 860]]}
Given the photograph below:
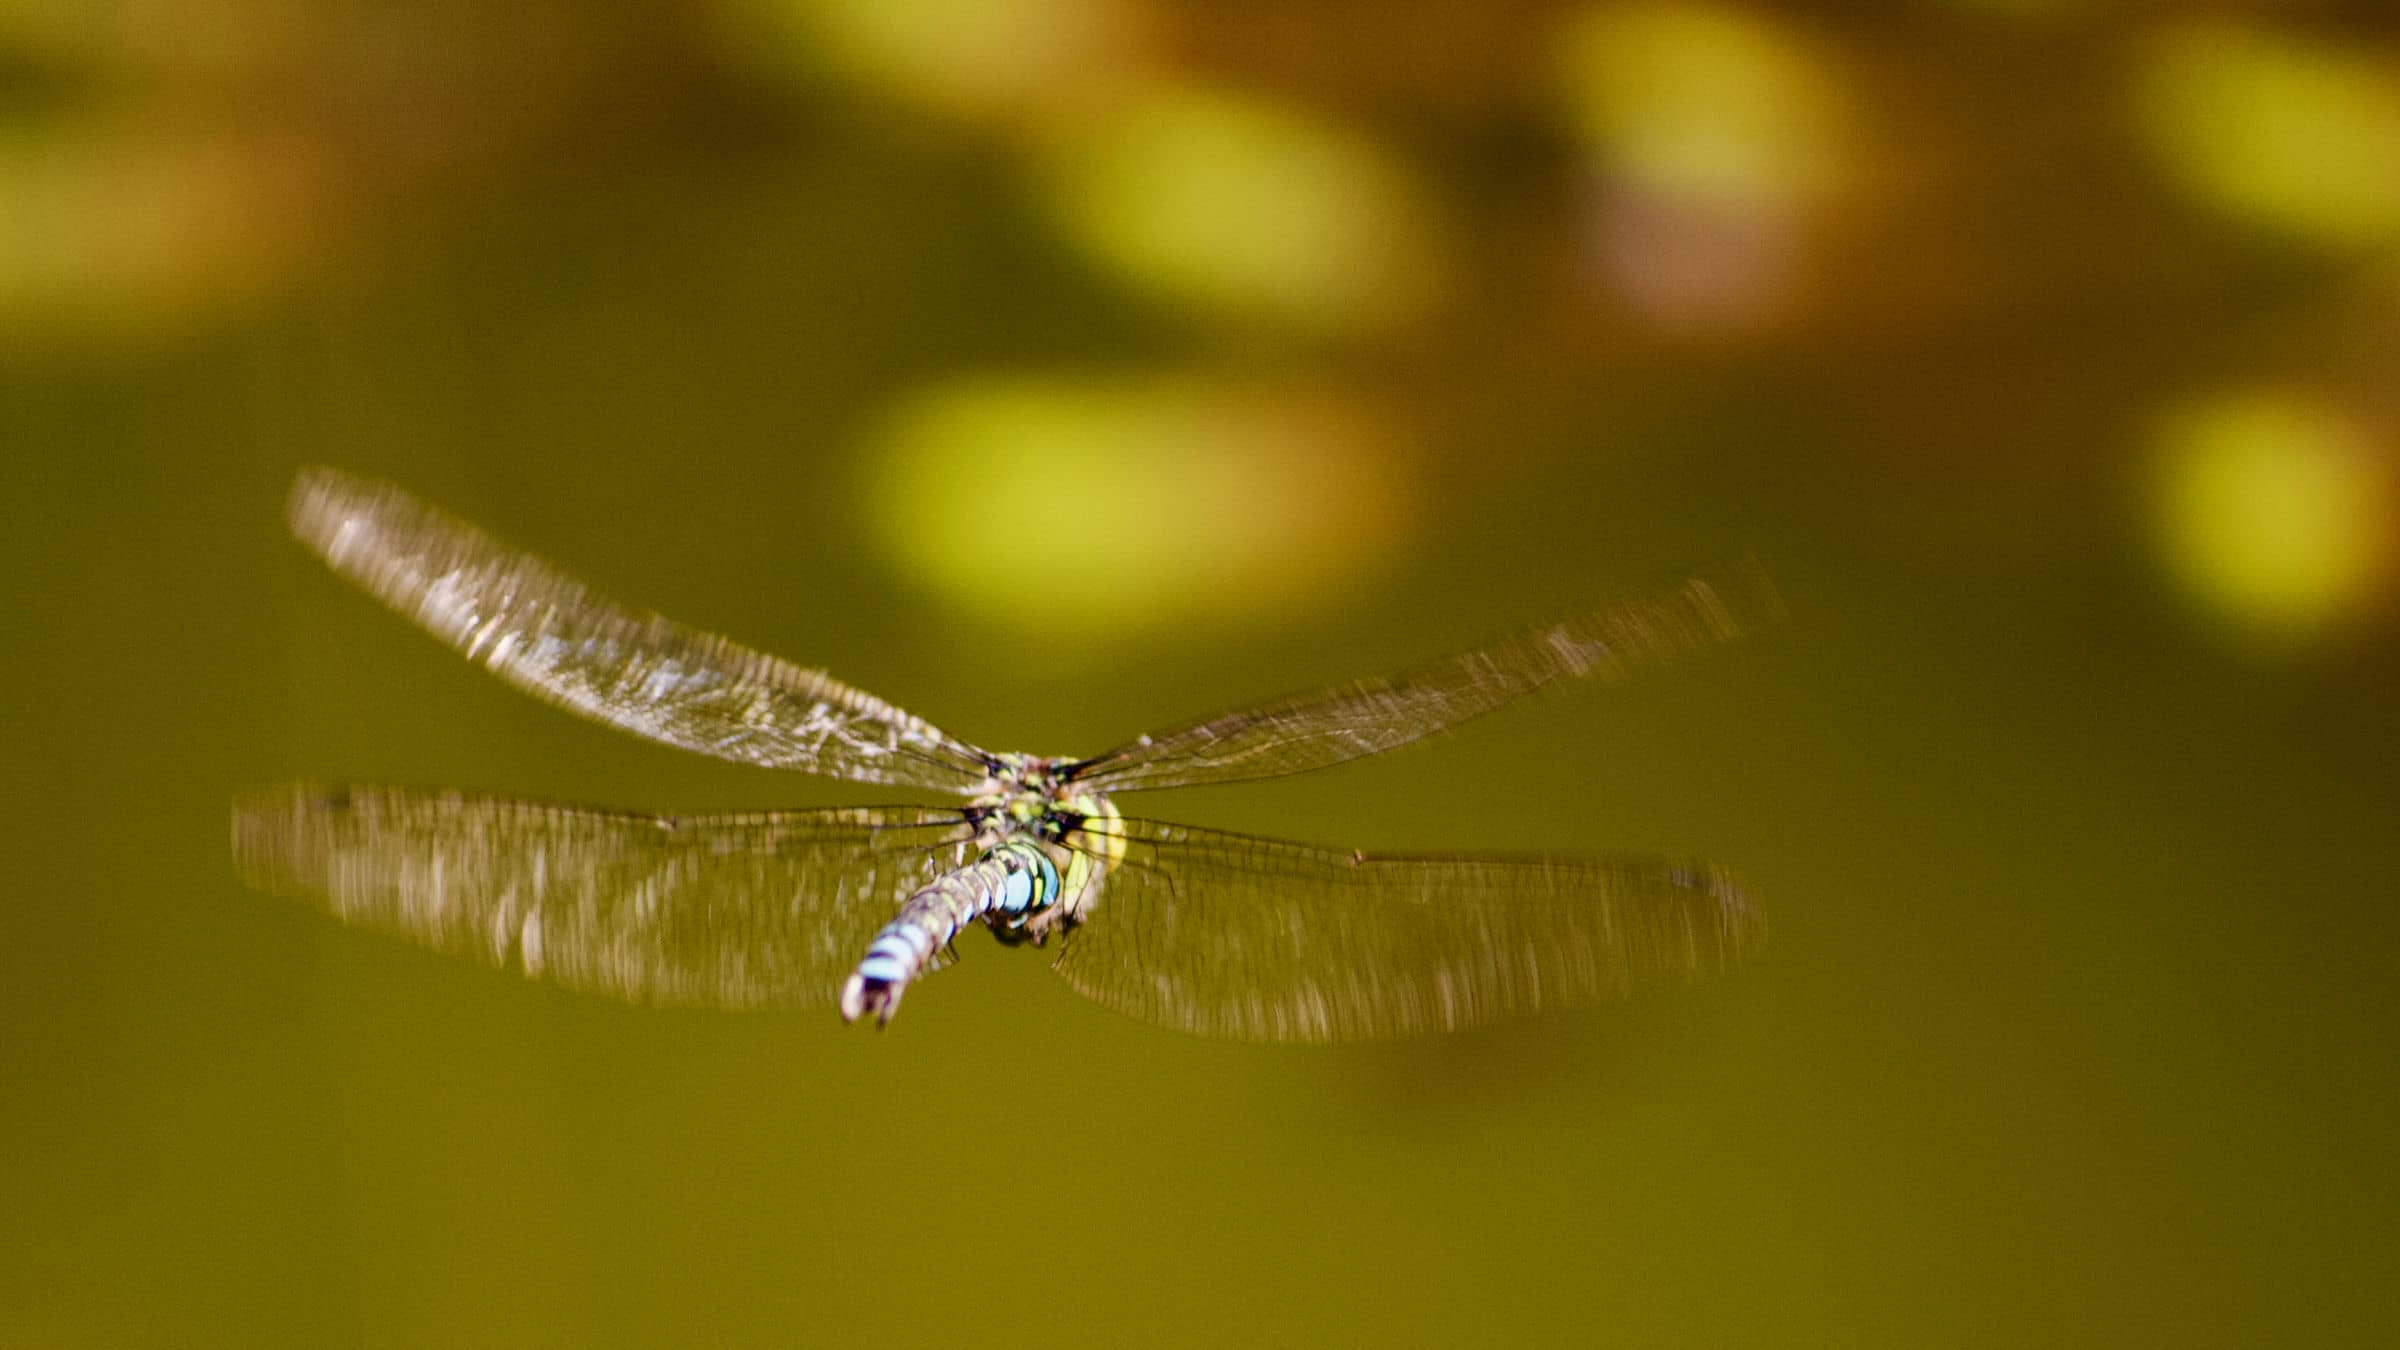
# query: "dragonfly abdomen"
{"points": [[1008, 886]]}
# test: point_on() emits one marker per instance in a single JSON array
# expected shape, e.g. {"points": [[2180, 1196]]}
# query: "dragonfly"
{"points": [[1214, 933]]}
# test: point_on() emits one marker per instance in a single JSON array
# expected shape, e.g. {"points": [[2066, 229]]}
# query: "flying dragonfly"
{"points": [[1210, 932]]}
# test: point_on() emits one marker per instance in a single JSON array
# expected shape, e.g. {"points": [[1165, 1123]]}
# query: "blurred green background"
{"points": [[1065, 368]]}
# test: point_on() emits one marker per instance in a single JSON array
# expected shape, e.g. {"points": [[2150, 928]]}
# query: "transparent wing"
{"points": [[1370, 716], [733, 911], [1264, 940], [549, 635]]}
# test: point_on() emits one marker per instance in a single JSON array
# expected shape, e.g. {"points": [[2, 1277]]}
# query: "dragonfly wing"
{"points": [[734, 911], [1264, 940], [553, 637], [1370, 716]]}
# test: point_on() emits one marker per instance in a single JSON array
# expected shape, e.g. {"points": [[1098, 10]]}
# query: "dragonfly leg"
{"points": [[1038, 929], [1007, 930]]}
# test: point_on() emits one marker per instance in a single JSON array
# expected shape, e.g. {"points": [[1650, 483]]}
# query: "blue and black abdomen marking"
{"points": [[1031, 883], [1009, 885]]}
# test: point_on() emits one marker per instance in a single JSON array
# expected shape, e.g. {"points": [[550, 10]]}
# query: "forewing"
{"points": [[731, 911], [1370, 716], [1264, 940], [553, 637]]}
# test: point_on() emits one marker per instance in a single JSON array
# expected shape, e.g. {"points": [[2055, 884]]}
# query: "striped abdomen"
{"points": [[1009, 885]]}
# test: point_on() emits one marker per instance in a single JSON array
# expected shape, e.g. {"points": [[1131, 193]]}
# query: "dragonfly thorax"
{"points": [[1025, 803]]}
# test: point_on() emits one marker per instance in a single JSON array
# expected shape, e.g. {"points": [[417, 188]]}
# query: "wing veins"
{"points": [[757, 909], [1315, 730], [555, 638], [1255, 938]]}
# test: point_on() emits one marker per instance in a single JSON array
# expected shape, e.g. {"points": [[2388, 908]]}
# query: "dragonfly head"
{"points": [[1013, 774]]}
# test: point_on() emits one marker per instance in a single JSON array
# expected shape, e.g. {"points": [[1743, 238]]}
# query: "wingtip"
{"points": [[315, 482], [269, 830], [1758, 585], [1742, 922], [1740, 596], [321, 499]]}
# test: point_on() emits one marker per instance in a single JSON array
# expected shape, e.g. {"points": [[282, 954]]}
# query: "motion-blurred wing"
{"points": [[549, 635], [1370, 716], [1263, 940], [734, 911]]}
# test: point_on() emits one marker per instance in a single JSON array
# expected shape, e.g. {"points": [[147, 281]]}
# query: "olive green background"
{"points": [[2075, 1026]]}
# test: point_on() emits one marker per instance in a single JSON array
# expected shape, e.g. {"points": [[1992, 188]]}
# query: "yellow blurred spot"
{"points": [[121, 229], [2276, 131], [2275, 511], [1239, 205], [1703, 104], [1102, 507], [966, 56]]}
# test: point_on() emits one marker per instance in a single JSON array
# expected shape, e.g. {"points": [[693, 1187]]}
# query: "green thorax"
{"points": [[1026, 800]]}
